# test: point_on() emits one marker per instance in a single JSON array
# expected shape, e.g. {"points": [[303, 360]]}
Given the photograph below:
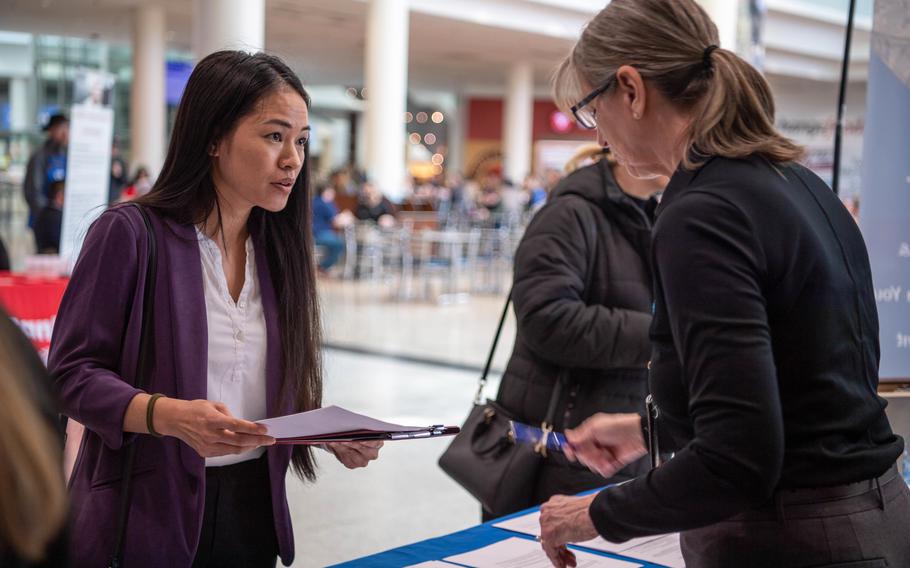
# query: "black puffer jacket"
{"points": [[582, 297]]}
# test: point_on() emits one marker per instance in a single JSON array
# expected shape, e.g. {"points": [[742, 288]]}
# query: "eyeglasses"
{"points": [[584, 114]]}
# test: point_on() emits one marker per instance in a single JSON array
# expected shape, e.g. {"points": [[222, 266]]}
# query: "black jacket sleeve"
{"points": [[551, 267], [33, 184], [710, 268]]}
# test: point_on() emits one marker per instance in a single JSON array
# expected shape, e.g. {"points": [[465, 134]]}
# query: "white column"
{"points": [[147, 104], [725, 14], [386, 76], [360, 144], [458, 127], [19, 104], [518, 116], [228, 24]]}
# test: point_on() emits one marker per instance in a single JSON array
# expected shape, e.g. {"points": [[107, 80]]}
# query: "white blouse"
{"points": [[236, 342]]}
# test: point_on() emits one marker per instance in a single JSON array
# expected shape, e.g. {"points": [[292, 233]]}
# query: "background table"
{"points": [[457, 543]]}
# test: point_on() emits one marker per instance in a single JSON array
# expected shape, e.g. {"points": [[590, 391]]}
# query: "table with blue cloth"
{"points": [[459, 542]]}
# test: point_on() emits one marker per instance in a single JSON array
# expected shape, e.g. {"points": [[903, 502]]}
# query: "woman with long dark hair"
{"points": [[236, 334]]}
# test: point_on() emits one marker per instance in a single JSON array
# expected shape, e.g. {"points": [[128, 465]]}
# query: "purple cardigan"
{"points": [[92, 359]]}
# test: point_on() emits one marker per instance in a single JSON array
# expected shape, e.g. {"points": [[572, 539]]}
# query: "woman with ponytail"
{"points": [[765, 346]]}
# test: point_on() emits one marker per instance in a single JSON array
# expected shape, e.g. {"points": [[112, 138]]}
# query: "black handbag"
{"points": [[141, 379], [484, 457]]}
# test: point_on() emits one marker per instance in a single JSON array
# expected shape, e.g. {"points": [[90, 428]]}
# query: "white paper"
{"points": [[431, 564], [523, 553], [663, 550], [660, 549], [328, 420]]}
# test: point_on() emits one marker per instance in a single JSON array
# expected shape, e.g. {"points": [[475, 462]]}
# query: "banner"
{"points": [[885, 209], [33, 304], [88, 164]]}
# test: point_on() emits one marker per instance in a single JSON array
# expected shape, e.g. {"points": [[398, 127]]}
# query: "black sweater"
{"points": [[765, 349]]}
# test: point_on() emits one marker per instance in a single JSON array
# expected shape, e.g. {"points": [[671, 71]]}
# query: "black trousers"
{"points": [[860, 525], [238, 528]]}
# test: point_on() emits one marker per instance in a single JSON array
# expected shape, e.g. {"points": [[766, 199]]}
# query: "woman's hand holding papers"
{"points": [[208, 427], [606, 443], [563, 520], [355, 454]]}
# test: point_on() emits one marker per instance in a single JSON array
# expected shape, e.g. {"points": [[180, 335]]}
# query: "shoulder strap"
{"points": [[550, 417], [478, 398], [140, 380]]}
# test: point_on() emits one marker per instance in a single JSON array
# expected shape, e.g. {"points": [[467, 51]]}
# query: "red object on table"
{"points": [[33, 302]]}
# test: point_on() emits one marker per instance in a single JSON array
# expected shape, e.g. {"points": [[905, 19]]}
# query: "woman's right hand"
{"points": [[606, 443], [208, 427]]}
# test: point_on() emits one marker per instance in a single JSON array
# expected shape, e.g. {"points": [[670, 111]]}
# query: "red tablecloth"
{"points": [[33, 302]]}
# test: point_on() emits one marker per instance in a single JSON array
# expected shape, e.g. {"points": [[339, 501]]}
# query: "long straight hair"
{"points": [[223, 88]]}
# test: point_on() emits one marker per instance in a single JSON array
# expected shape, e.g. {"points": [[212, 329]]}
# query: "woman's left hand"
{"points": [[355, 454], [563, 520]]}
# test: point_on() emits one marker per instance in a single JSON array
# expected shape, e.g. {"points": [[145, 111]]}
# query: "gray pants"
{"points": [[850, 526]]}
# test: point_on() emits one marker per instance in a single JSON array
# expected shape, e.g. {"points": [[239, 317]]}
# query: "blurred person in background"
{"points": [[343, 182], [4, 257], [50, 220], [46, 165], [537, 193], [234, 327], [33, 503], [514, 201], [140, 185], [118, 180], [326, 222], [582, 297], [374, 206], [489, 199]]}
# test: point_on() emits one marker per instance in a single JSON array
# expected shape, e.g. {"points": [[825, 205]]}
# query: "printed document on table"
{"points": [[523, 553], [660, 549]]}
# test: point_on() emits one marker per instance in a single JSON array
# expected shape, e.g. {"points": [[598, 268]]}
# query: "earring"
{"points": [[636, 116]]}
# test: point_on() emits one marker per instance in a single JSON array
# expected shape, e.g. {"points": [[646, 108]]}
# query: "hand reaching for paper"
{"points": [[606, 443], [563, 520], [355, 454]]}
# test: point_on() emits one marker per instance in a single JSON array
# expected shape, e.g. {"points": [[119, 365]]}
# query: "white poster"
{"points": [[88, 164]]}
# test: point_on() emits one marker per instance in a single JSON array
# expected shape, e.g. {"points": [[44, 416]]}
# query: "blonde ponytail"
{"points": [[735, 118], [672, 44]]}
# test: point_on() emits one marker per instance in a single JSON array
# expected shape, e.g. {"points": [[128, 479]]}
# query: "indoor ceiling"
{"points": [[323, 41]]}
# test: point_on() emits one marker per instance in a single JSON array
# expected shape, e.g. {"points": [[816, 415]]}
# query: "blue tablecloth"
{"points": [[455, 543]]}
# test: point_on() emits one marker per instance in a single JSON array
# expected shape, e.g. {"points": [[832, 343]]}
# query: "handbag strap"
{"points": [[550, 418], [549, 421], [478, 398], [143, 366]]}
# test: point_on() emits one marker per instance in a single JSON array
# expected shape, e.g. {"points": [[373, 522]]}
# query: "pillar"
{"points": [[386, 73], [228, 24], [147, 95], [19, 105], [518, 116]]}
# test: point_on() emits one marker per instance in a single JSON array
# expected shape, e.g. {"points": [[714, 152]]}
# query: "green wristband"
{"points": [[149, 413]]}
